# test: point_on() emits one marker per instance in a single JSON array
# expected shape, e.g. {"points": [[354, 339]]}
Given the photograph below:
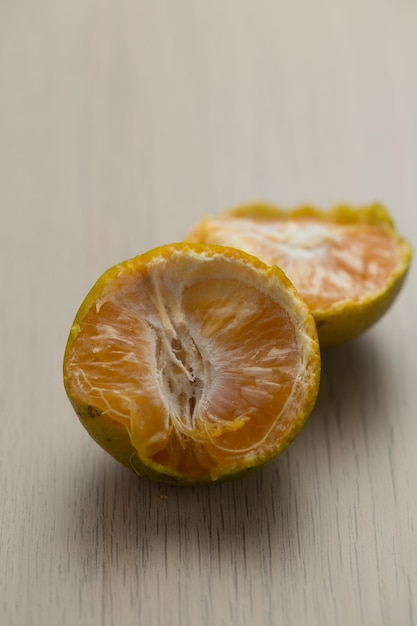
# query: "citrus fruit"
{"points": [[193, 363], [347, 263]]}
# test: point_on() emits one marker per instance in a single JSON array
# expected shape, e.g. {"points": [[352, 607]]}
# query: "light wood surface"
{"points": [[121, 125]]}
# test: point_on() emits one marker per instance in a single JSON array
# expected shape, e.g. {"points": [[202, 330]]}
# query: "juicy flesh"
{"points": [[328, 263], [201, 375]]}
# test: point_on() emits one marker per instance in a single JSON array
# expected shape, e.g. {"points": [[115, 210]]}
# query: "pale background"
{"points": [[121, 125]]}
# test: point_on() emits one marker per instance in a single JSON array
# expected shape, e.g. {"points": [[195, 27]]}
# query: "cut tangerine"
{"points": [[193, 363], [347, 263]]}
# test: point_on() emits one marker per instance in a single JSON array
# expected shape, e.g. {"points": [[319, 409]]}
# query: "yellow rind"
{"points": [[373, 214], [114, 437]]}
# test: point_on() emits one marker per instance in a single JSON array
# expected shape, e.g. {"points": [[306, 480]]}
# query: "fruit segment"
{"points": [[347, 264]]}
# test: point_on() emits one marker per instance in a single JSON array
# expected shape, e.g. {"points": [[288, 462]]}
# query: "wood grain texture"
{"points": [[122, 124]]}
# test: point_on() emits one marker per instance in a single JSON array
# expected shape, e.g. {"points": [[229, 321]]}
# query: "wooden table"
{"points": [[121, 125]]}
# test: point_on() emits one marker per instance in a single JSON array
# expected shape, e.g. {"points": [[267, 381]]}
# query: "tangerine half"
{"points": [[347, 263], [193, 363]]}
